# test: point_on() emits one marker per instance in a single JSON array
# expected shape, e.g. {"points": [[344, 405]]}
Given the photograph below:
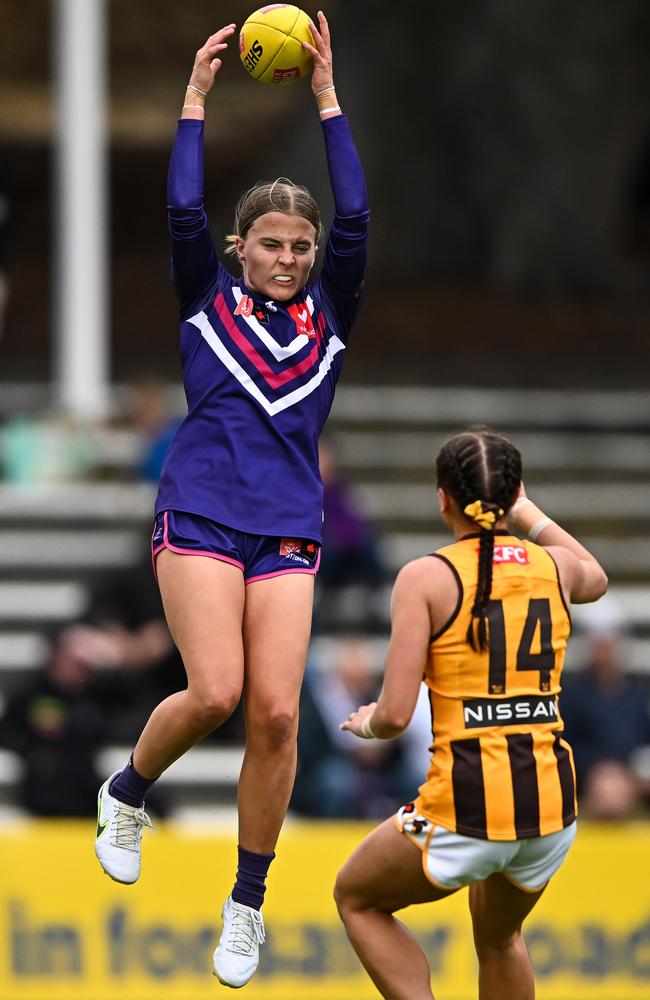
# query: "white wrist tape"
{"points": [[196, 90], [196, 107], [538, 527], [326, 111], [366, 729], [325, 91]]}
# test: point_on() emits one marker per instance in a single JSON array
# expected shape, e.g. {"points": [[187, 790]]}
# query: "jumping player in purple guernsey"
{"points": [[237, 533]]}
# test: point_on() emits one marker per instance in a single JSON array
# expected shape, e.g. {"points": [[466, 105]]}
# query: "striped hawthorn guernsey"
{"points": [[500, 769]]}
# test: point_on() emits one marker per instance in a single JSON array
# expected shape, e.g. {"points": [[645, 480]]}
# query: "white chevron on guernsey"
{"points": [[279, 353], [202, 323]]}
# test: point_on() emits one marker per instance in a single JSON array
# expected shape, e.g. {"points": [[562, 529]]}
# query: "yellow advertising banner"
{"points": [[68, 933]]}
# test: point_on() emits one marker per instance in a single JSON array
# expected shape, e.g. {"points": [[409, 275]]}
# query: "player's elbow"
{"points": [[593, 585], [601, 583]]}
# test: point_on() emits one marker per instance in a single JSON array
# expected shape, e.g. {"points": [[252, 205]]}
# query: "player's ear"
{"points": [[239, 247], [443, 500]]}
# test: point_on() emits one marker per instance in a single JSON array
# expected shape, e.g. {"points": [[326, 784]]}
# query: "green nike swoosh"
{"points": [[100, 826]]}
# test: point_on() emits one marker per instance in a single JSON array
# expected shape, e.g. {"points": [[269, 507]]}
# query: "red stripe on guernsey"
{"points": [[275, 381]]}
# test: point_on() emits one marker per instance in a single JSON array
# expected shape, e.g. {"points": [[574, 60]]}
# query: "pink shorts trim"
{"points": [[284, 572], [190, 552]]}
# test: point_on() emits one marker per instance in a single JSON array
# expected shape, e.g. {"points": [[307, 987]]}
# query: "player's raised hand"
{"points": [[321, 52], [207, 62]]}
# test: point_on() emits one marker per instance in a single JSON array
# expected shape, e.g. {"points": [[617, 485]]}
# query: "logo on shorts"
{"points": [[479, 712], [415, 825], [298, 550]]}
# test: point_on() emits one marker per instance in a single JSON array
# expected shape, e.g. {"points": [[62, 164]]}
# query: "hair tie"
{"points": [[485, 517]]}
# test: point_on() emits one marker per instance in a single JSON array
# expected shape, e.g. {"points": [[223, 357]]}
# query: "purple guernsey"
{"points": [[259, 375]]}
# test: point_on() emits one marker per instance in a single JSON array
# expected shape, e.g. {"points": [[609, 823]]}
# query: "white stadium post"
{"points": [[81, 257]]}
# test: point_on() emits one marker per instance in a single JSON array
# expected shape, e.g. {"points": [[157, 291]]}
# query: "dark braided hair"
{"points": [[480, 470]]}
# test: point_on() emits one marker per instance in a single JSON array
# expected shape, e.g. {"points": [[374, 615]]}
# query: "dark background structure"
{"points": [[507, 148]]}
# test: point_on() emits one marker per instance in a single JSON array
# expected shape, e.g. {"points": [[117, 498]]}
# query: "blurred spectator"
{"points": [[56, 725], [607, 722], [340, 776], [156, 425], [45, 449], [350, 547]]}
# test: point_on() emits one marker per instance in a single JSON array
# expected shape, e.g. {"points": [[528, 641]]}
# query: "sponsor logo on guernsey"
{"points": [[524, 710], [302, 318], [245, 306], [299, 551], [510, 554]]}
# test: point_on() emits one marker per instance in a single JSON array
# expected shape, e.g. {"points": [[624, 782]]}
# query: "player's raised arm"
{"points": [[345, 254], [583, 578], [194, 256]]}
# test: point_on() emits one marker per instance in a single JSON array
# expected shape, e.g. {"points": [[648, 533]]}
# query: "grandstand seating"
{"points": [[587, 460]]}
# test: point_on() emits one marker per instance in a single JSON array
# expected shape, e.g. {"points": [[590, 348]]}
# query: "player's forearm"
{"points": [[384, 727], [528, 519], [347, 178], [185, 178]]}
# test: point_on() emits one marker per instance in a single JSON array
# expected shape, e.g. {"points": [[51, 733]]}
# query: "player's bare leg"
{"points": [[277, 626], [204, 601], [498, 910], [384, 875], [204, 606]]}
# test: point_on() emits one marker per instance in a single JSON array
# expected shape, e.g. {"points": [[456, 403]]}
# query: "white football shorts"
{"points": [[451, 860]]}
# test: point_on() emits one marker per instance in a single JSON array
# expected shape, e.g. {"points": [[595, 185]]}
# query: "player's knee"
{"points": [[277, 727], [350, 898], [213, 707], [341, 894]]}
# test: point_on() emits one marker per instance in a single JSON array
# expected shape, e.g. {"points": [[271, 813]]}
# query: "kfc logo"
{"points": [[510, 554]]}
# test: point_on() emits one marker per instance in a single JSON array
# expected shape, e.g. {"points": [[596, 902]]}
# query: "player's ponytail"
{"points": [[481, 471]]}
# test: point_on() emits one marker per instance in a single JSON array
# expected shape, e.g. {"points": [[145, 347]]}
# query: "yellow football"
{"points": [[270, 43]]}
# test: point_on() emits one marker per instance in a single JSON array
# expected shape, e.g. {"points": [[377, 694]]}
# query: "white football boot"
{"points": [[119, 831], [237, 955]]}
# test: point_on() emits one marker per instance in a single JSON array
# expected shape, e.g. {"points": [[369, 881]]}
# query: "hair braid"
{"points": [[482, 468]]}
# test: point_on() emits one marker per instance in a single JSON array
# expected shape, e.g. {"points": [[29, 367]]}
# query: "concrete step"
{"points": [[571, 502], [31, 601], [458, 406], [542, 453], [68, 548], [107, 502]]}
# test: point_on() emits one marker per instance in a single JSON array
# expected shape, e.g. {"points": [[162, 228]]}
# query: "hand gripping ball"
{"points": [[270, 43]]}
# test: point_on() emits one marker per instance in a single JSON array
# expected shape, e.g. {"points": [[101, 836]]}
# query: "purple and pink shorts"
{"points": [[260, 557]]}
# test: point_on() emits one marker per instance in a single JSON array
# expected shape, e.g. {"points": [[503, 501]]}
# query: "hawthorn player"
{"points": [[486, 621]]}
